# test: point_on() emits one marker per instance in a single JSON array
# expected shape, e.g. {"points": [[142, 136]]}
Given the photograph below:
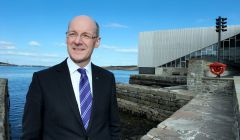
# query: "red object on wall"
{"points": [[217, 68]]}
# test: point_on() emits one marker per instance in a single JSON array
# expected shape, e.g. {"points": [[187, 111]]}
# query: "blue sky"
{"points": [[32, 32]]}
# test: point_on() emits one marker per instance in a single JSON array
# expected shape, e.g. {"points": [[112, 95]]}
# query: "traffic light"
{"points": [[224, 26], [221, 24], [218, 24]]}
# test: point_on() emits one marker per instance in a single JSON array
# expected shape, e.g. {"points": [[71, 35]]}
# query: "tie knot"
{"points": [[82, 71]]}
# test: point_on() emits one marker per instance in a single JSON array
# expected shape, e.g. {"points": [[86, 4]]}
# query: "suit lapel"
{"points": [[65, 83]]}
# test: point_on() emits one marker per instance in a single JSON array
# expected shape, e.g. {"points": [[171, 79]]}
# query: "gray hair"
{"points": [[98, 28]]}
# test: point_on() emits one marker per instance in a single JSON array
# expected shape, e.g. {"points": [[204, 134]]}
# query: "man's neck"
{"points": [[82, 64]]}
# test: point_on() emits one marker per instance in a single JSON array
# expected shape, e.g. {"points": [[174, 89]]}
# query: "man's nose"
{"points": [[78, 40]]}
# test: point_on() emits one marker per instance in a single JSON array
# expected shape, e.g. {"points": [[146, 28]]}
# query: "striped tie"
{"points": [[85, 97]]}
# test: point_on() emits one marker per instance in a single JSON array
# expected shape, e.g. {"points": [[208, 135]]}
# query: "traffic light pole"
{"points": [[220, 27]]}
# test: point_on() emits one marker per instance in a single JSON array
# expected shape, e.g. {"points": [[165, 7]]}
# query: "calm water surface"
{"points": [[19, 79]]}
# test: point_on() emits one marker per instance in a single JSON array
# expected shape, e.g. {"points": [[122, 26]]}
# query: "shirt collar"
{"points": [[73, 66]]}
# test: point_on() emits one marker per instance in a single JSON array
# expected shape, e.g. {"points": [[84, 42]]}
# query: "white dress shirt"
{"points": [[75, 78]]}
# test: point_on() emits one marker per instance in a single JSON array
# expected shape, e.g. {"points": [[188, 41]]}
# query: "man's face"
{"points": [[81, 40]]}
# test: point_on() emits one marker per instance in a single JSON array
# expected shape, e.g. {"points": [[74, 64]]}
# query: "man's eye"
{"points": [[72, 34], [85, 36]]}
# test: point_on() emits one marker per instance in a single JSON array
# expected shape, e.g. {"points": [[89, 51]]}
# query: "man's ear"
{"points": [[66, 41], [97, 44]]}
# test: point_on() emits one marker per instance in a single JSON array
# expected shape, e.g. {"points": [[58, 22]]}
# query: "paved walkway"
{"points": [[206, 117]]}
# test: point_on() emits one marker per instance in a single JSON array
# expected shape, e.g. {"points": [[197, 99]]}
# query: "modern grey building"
{"points": [[173, 48]]}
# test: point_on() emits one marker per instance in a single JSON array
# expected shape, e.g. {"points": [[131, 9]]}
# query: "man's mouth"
{"points": [[78, 49]]}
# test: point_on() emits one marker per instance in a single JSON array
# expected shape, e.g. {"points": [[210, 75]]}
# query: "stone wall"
{"points": [[169, 71], [154, 103], [157, 80], [4, 110], [196, 70], [236, 107], [217, 85]]}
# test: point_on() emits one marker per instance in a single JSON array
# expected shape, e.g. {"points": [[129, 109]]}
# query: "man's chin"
{"points": [[80, 61]]}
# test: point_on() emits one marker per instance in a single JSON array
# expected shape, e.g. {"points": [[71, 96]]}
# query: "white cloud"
{"points": [[203, 20], [115, 25], [30, 54], [118, 49], [130, 50], [108, 47], [6, 45], [60, 44], [34, 43]]}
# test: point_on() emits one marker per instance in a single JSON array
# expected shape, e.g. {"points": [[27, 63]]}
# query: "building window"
{"points": [[232, 49], [199, 54], [173, 63], [238, 37], [237, 59], [178, 63], [183, 64]]}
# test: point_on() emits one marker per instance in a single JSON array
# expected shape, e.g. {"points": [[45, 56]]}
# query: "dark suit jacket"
{"points": [[51, 111]]}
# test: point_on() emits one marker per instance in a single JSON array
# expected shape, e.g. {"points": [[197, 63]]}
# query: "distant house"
{"points": [[173, 48]]}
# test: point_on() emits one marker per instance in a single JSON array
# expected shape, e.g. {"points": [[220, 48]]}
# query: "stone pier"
{"points": [[158, 80], [154, 103], [4, 110]]}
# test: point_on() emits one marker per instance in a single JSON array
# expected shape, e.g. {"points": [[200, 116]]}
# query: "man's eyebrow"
{"points": [[72, 31]]}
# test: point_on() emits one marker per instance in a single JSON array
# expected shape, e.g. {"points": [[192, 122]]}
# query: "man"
{"points": [[74, 100]]}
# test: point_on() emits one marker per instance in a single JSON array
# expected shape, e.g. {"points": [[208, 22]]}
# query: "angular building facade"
{"points": [[173, 48]]}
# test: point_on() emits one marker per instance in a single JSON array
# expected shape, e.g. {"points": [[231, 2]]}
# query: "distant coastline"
{"points": [[131, 67], [7, 64]]}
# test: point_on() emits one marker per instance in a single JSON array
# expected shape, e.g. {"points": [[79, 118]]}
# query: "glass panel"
{"points": [[238, 44], [238, 37], [173, 63], [192, 55], [232, 49], [204, 52], [238, 55], [178, 63], [226, 44], [221, 54], [222, 44], [226, 53], [232, 43], [183, 58], [183, 64], [209, 52], [169, 64], [199, 54], [232, 54], [215, 47]]}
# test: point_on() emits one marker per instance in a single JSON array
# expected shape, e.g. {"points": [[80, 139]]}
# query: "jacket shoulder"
{"points": [[102, 70], [52, 69]]}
